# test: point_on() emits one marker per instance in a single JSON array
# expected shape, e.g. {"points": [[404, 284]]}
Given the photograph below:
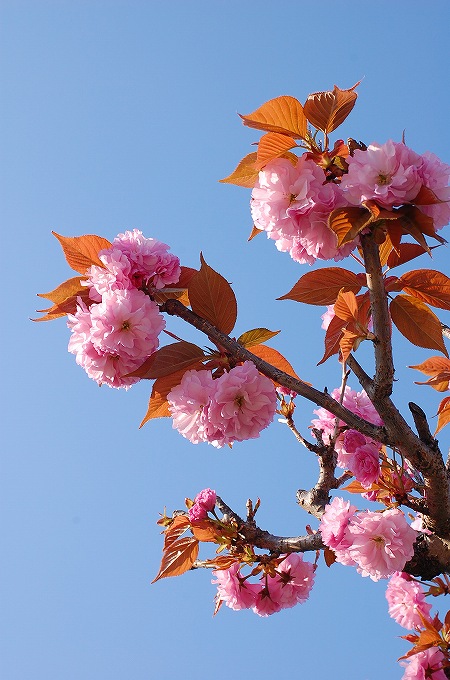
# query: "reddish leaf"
{"points": [[348, 222], [82, 251], [176, 528], [405, 253], [64, 290], [333, 337], [354, 487], [426, 197], [67, 306], [255, 232], [256, 336], [212, 298], [443, 414], [329, 556], [246, 174], [168, 359], [222, 562], [327, 110], [439, 370], [272, 145], [347, 343], [346, 307], [205, 531], [282, 114], [157, 405], [321, 287], [178, 558], [275, 358], [417, 322], [177, 290], [429, 286]]}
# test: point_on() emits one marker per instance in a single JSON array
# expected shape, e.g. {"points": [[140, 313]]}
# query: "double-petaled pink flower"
{"points": [[234, 407]]}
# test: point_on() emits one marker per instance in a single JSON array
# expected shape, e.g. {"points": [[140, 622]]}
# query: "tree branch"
{"points": [[267, 541], [384, 362], [176, 308]]}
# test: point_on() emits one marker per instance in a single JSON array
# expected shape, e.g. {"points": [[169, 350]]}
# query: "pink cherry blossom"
{"points": [[327, 317], [126, 323], [292, 204], [149, 258], [435, 176], [268, 598], [380, 542], [297, 578], [365, 464], [233, 589], [426, 665], [203, 503], [114, 337], [406, 600], [243, 404], [387, 174], [334, 523], [187, 402]]}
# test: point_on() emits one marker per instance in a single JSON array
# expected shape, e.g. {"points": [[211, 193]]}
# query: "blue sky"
{"points": [[121, 115]]}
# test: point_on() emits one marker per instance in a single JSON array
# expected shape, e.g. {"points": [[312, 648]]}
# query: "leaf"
{"points": [[348, 222], [346, 307], [439, 370], [176, 290], [354, 487], [212, 298], [275, 358], [405, 253], [282, 114], [178, 558], [333, 337], [426, 197], [347, 343], [255, 232], [443, 414], [327, 110], [256, 336], [245, 174], [272, 145], [65, 290], [322, 287], [168, 359], [329, 556], [67, 306], [205, 531], [157, 405], [417, 322], [176, 528], [428, 285], [82, 251]]}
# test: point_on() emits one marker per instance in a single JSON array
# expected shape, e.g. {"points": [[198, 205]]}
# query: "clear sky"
{"points": [[121, 115]]}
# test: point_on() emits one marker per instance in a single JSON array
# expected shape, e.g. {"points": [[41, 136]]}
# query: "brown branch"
{"points": [[384, 363], [267, 541], [176, 308]]}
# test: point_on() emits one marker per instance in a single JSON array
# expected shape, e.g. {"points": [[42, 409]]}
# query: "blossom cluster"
{"points": [[376, 543], [292, 203], [355, 451], [234, 407], [115, 334], [426, 665], [204, 502], [290, 585]]}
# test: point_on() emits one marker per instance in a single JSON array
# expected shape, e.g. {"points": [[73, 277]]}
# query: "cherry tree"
{"points": [[377, 206]]}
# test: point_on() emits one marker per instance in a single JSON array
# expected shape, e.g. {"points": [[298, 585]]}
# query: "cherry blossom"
{"points": [[426, 665], [203, 503], [387, 174], [233, 589], [406, 600]]}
